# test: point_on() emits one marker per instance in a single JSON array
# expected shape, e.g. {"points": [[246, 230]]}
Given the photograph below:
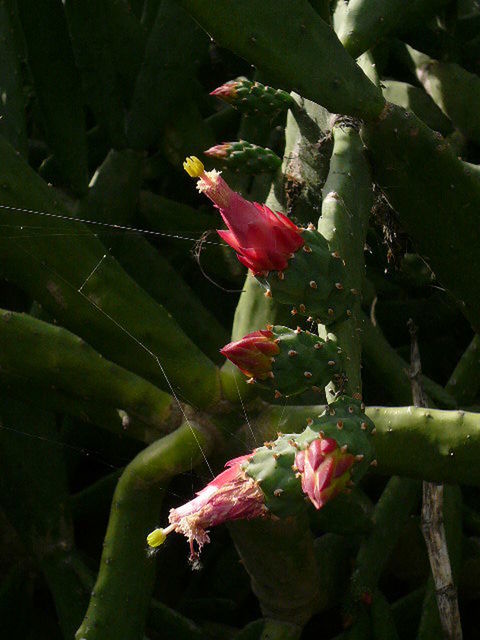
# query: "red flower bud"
{"points": [[253, 353], [263, 239], [232, 495], [324, 469]]}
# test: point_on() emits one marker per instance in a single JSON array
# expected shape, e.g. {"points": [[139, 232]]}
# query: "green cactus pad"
{"points": [[272, 465], [246, 157], [254, 97], [313, 282], [304, 361]]}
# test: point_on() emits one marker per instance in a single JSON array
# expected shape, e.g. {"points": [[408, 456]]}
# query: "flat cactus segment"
{"points": [[273, 465], [313, 281], [304, 361], [294, 49], [245, 157], [447, 230], [253, 98]]}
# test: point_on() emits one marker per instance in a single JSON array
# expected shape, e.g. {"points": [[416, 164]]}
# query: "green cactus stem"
{"points": [[285, 583], [245, 157], [431, 444], [390, 369], [88, 29], [383, 623], [86, 290], [399, 498], [166, 80], [464, 382], [55, 357], [58, 90], [417, 100], [399, 143], [120, 599], [12, 123], [35, 497], [453, 89], [263, 33], [253, 98], [365, 22], [347, 201]]}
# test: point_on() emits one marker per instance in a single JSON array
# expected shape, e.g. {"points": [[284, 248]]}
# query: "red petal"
{"points": [[230, 238], [324, 475], [315, 454]]}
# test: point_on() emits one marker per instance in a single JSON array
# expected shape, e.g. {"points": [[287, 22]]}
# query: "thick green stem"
{"points": [[54, 357], [464, 382], [435, 445], [65, 267], [119, 603], [346, 207]]}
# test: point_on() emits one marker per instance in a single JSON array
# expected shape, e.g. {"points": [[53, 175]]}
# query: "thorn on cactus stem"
{"points": [[344, 448], [373, 432], [268, 444], [362, 406], [331, 312], [302, 308], [311, 226], [268, 293], [363, 426], [276, 456], [359, 457], [298, 330], [351, 409], [277, 394], [280, 275], [331, 411], [313, 284], [331, 363], [335, 254], [318, 345], [309, 319], [316, 389], [270, 374], [269, 327], [349, 313], [279, 434], [307, 374], [309, 421], [374, 463], [307, 249], [340, 425], [251, 381], [292, 353], [278, 492], [294, 311], [339, 286], [354, 292]]}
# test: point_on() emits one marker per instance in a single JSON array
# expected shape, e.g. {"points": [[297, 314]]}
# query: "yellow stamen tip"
{"points": [[156, 538], [194, 167]]}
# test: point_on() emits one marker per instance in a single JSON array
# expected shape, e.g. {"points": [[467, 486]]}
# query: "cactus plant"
{"points": [[138, 352]]}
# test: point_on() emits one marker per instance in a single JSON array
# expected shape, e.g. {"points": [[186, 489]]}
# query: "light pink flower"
{"points": [[230, 496]]}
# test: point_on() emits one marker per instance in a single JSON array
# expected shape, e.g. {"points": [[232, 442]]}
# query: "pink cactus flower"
{"points": [[324, 469], [227, 91], [263, 239], [232, 495], [253, 354]]}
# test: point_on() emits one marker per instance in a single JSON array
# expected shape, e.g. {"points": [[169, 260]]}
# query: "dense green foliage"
{"points": [[116, 404]]}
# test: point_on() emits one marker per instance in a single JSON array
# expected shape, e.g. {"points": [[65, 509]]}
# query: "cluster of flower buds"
{"points": [[294, 265]]}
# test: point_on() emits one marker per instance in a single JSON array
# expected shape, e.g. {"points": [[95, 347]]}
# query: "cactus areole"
{"points": [[294, 265]]}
